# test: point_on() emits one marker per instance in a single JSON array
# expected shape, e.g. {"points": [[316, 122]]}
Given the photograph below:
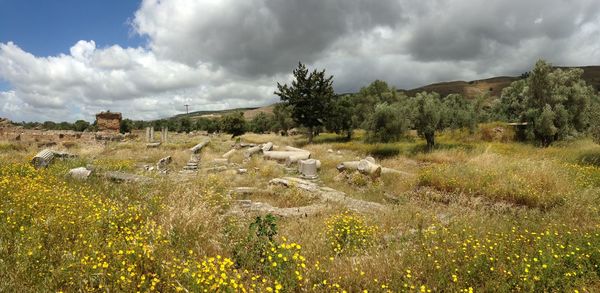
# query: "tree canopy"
{"points": [[309, 96], [552, 101]]}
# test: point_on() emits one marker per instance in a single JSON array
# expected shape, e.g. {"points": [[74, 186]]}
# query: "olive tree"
{"points": [[387, 123], [551, 101], [428, 115]]}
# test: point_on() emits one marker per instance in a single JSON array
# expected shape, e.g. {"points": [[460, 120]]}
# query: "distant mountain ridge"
{"points": [[494, 85]]}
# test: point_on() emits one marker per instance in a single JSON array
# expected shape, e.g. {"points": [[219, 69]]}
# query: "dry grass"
{"points": [[531, 183]]}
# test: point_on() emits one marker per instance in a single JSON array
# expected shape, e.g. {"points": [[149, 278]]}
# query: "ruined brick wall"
{"points": [[108, 121]]}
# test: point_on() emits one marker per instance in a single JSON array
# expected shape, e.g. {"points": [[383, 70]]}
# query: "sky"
{"points": [[67, 60]]}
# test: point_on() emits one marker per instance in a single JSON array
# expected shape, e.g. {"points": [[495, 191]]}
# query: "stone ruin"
{"points": [[109, 121]]}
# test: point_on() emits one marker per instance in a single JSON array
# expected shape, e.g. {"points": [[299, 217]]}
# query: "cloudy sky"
{"points": [[66, 60]]}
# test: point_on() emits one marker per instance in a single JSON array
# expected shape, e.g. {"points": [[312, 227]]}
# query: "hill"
{"points": [[493, 86]]}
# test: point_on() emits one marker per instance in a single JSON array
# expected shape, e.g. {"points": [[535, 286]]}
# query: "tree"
{"points": [[428, 115], [339, 119], [125, 126], [282, 118], [549, 93], [594, 119], [234, 124], [458, 113], [309, 97], [387, 123], [185, 124], [80, 125], [260, 123], [368, 97], [544, 126]]}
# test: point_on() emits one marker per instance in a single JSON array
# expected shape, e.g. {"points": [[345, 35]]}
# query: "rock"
{"points": [[242, 171], [329, 150], [246, 206], [295, 182], [80, 173]]}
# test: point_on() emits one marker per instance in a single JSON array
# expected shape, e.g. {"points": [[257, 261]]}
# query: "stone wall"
{"points": [[108, 121]]}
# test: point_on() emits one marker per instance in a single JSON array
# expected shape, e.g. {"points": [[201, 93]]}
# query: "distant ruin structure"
{"points": [[108, 121]]}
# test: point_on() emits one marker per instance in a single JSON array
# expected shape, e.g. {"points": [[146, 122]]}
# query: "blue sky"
{"points": [[51, 27]]}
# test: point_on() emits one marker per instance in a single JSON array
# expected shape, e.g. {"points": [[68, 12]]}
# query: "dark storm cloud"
{"points": [[260, 37], [468, 30]]}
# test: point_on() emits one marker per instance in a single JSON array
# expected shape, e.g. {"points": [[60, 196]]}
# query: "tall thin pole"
{"points": [[186, 109]]}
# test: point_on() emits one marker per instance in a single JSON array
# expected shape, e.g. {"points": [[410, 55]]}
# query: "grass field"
{"points": [[474, 215]]}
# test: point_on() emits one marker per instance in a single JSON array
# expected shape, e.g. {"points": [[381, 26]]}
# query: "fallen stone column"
{"points": [[295, 158], [197, 148], [125, 177], [228, 154], [367, 167], [43, 159], [385, 170], [220, 161], [284, 155], [267, 146], [162, 163], [349, 165], [251, 151], [153, 145], [293, 149]]}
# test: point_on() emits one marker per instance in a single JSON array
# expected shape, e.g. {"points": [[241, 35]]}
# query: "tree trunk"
{"points": [[430, 141], [310, 135]]}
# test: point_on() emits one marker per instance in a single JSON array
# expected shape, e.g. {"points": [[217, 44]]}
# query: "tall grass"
{"points": [[537, 184]]}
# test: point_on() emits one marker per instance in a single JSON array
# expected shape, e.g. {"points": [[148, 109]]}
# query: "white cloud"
{"points": [[230, 53], [130, 80]]}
